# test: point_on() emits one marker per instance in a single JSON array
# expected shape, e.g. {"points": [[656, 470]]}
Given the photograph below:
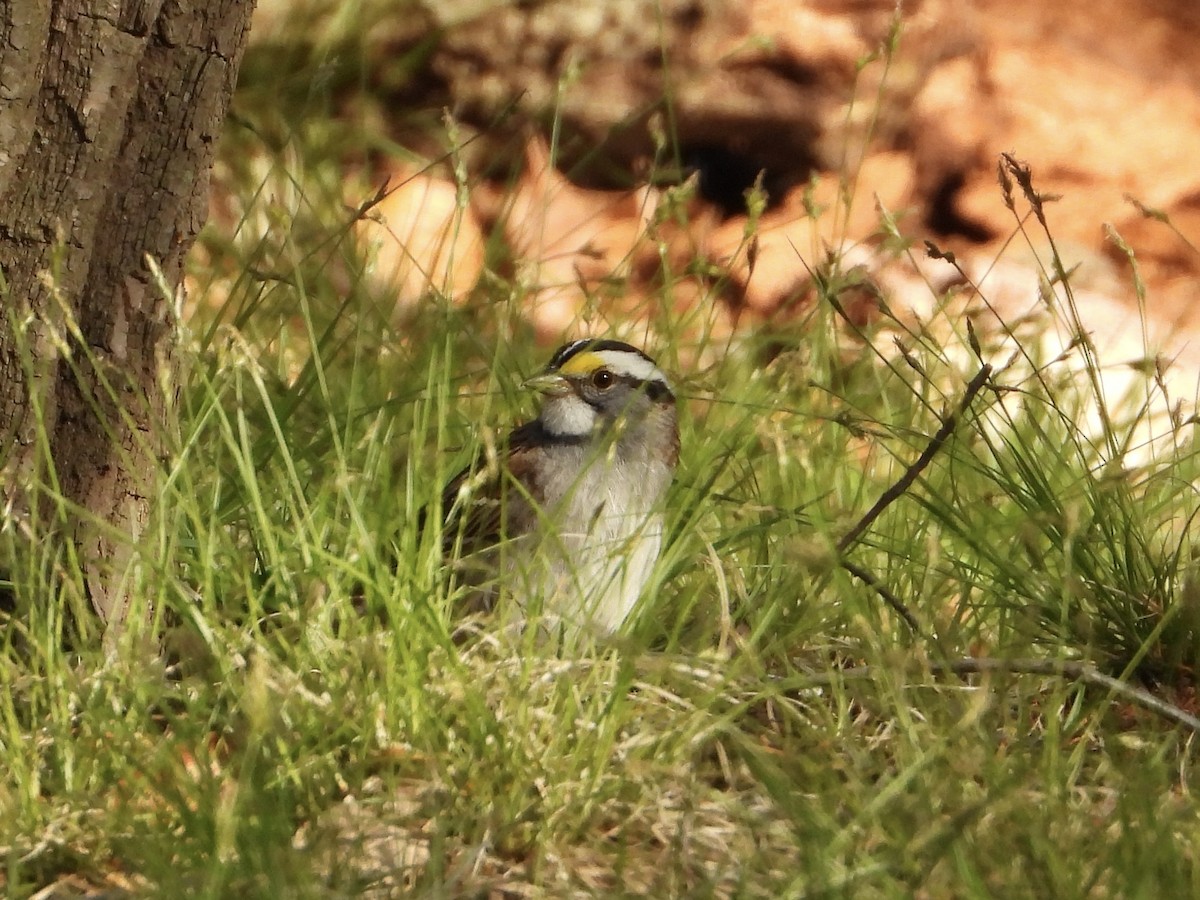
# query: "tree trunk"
{"points": [[110, 112]]}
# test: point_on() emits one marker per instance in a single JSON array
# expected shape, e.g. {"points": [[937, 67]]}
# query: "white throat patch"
{"points": [[569, 416]]}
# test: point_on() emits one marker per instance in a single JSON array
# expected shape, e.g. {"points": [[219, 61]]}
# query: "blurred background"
{"points": [[538, 143]]}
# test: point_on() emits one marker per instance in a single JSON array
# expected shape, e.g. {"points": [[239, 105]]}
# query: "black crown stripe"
{"points": [[594, 346]]}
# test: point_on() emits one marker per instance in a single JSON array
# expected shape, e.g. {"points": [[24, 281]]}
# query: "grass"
{"points": [[768, 726]]}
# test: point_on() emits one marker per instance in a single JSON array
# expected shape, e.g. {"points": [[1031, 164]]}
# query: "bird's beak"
{"points": [[552, 384]]}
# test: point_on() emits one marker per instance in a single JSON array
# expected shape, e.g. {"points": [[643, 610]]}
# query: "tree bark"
{"points": [[110, 112]]}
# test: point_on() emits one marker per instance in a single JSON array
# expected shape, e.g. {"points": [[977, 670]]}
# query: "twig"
{"points": [[867, 577], [1080, 671], [905, 481], [1076, 670], [897, 490]]}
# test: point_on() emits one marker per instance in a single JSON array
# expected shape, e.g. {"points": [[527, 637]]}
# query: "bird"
{"points": [[567, 516]]}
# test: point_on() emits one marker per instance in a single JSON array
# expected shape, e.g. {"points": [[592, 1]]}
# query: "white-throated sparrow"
{"points": [[568, 519]]}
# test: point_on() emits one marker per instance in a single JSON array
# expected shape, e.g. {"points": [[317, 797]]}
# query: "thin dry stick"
{"points": [[867, 577], [1078, 671], [905, 481], [898, 490]]}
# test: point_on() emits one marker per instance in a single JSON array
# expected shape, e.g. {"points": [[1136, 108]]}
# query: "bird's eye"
{"points": [[603, 379]]}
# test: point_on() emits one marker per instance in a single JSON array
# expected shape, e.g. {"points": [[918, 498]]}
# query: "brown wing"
{"points": [[488, 501]]}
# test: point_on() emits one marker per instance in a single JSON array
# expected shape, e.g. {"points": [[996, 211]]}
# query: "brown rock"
{"points": [[774, 80], [419, 239], [772, 265], [1101, 99], [569, 241]]}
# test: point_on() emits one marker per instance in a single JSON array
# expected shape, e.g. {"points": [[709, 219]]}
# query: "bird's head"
{"points": [[590, 386]]}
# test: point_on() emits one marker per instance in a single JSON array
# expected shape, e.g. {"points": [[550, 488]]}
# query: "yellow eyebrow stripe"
{"points": [[581, 363]]}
